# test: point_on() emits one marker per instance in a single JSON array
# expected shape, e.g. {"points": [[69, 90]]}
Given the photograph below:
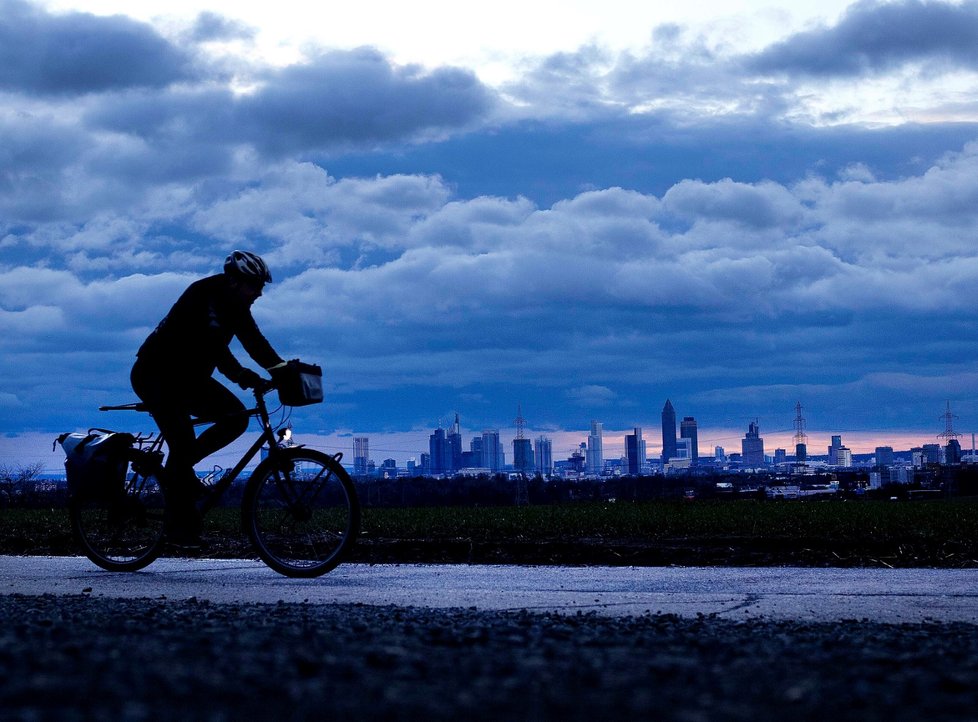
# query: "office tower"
{"points": [[635, 451], [719, 453], [884, 456], [952, 452], [687, 430], [361, 454], [780, 456], [523, 455], [543, 455], [475, 446], [454, 441], [668, 432], [440, 455], [595, 449], [834, 450], [522, 447], [752, 446], [493, 457]]}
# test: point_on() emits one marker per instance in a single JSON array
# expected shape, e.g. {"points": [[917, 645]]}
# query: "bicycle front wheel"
{"points": [[301, 512], [120, 530]]}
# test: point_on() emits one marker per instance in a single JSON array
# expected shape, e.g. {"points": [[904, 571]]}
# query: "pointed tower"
{"points": [[668, 432]]}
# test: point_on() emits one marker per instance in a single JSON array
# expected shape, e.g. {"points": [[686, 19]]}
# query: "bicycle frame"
{"points": [[266, 437]]}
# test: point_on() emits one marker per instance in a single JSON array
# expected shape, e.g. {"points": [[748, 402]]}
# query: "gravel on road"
{"points": [[90, 658]]}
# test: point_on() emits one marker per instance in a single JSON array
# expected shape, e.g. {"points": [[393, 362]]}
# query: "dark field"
{"points": [[703, 533]]}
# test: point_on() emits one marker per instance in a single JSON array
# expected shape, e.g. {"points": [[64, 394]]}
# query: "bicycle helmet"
{"points": [[244, 264]]}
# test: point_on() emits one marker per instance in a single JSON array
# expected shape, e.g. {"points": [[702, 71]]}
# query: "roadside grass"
{"points": [[843, 522]]}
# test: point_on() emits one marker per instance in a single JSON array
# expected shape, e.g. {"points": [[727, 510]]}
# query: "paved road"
{"points": [[884, 595]]}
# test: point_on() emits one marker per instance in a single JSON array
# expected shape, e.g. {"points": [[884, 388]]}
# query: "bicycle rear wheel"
{"points": [[301, 512], [122, 530]]}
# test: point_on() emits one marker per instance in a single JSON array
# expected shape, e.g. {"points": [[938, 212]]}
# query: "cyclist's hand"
{"points": [[248, 379]]}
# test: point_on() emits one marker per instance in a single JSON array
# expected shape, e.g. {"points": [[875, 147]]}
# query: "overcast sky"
{"points": [[583, 208]]}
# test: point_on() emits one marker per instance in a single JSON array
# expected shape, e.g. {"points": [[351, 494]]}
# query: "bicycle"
{"points": [[299, 509]]}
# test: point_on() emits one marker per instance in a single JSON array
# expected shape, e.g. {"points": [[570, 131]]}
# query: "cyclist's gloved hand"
{"points": [[248, 379], [282, 370]]}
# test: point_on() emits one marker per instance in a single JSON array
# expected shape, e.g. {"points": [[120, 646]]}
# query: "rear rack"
{"points": [[137, 406]]}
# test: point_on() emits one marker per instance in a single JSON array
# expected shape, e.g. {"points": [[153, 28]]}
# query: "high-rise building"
{"points": [[834, 450], [595, 449], [839, 455], [475, 447], [493, 456], [454, 441], [884, 456], [668, 432], [687, 430], [361, 454], [438, 452], [635, 452], [752, 446], [523, 455], [543, 455], [952, 452]]}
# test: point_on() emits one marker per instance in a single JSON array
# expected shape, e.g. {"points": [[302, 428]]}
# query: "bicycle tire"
{"points": [[121, 531], [301, 512]]}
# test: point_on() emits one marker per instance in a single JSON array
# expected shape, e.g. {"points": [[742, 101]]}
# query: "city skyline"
{"points": [[730, 205]]}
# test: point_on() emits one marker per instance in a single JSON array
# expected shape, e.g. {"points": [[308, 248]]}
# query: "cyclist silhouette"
{"points": [[173, 375]]}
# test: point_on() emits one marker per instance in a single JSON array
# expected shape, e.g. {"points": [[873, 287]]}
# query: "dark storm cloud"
{"points": [[358, 97], [874, 37], [77, 53]]}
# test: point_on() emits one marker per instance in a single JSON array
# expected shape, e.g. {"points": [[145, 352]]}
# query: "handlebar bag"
{"points": [[299, 384]]}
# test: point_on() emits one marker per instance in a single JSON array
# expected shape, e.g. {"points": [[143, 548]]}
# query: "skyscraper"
{"points": [[493, 456], [439, 453], [635, 451], [523, 455], [687, 430], [668, 432], [752, 446], [454, 441], [361, 454], [595, 449], [543, 455]]}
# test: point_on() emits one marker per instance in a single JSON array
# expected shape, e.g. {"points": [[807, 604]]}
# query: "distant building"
{"points": [[493, 456], [543, 455], [361, 454], [839, 455], [635, 451], [752, 446], [952, 452], [687, 430], [668, 432], [453, 460], [523, 455], [884, 456], [439, 453], [595, 449], [931, 454]]}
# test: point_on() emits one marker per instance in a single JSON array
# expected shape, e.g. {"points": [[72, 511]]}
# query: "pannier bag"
{"points": [[96, 463], [299, 384]]}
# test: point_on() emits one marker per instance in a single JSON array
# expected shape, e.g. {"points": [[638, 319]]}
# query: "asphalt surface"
{"points": [[888, 596]]}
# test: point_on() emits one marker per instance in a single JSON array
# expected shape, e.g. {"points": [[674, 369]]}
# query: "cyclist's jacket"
{"points": [[194, 337]]}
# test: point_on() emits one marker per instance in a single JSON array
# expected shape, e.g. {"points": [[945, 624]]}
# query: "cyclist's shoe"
{"points": [[182, 524], [147, 462]]}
